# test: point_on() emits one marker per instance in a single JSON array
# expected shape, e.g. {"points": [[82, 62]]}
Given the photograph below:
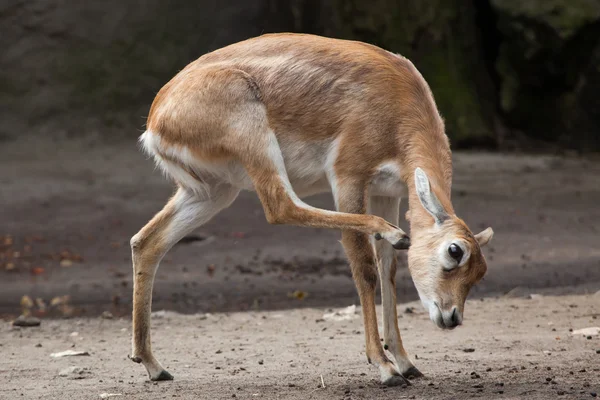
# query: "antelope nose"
{"points": [[453, 318]]}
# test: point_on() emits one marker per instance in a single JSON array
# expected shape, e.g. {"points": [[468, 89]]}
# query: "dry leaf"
{"points": [[40, 303], [299, 294], [58, 300], [210, 270], [26, 302]]}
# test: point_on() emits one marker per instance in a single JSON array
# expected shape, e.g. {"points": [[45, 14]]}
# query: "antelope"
{"points": [[292, 115]]}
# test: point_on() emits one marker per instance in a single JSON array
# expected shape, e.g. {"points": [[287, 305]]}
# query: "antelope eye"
{"points": [[455, 252]]}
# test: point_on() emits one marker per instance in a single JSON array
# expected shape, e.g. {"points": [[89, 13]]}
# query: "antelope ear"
{"points": [[484, 236], [428, 199]]}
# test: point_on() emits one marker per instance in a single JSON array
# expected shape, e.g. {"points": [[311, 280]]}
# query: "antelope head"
{"points": [[445, 258]]}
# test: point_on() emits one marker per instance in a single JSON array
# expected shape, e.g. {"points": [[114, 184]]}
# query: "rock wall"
{"points": [[497, 67]]}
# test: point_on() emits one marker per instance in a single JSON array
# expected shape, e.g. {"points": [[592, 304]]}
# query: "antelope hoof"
{"points": [[412, 372], [162, 376], [402, 244], [395, 380], [390, 375]]}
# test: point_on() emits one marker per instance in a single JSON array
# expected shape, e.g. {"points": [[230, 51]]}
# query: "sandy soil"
{"points": [[87, 199], [68, 210], [508, 348]]}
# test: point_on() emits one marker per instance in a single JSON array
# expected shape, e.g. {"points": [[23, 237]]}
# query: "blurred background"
{"points": [[516, 81]]}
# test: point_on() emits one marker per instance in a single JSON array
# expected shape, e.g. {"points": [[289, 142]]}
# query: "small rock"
{"points": [[592, 331], [260, 362], [488, 369], [107, 395], [409, 310], [26, 321], [593, 394], [344, 314], [38, 345], [107, 315], [478, 386], [74, 372], [68, 353], [469, 350]]}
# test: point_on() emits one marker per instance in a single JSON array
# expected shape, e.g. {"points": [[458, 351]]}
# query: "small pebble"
{"points": [[38, 345], [107, 315], [548, 379], [261, 362], [594, 394], [26, 321], [488, 369], [469, 350], [560, 392]]}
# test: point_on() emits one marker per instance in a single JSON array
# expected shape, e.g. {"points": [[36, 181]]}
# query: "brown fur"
{"points": [[226, 106]]}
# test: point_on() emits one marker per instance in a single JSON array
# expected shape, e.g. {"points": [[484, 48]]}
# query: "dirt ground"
{"points": [[69, 208], [508, 348], [77, 203]]}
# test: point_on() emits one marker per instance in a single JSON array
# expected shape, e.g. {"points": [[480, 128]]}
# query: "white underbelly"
{"points": [[309, 167]]}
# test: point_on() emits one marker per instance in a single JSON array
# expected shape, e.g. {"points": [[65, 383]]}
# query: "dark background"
{"points": [[505, 73], [511, 78]]}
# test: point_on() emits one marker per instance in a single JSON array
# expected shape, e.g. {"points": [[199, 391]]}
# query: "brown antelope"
{"points": [[290, 115]]}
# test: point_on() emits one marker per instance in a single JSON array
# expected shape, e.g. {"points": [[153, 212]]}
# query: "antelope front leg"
{"points": [[388, 208], [364, 272], [360, 253]]}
